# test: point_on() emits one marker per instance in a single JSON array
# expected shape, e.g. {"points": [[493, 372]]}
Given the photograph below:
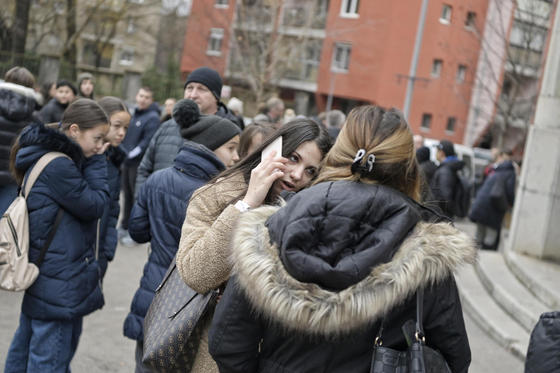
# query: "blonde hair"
{"points": [[383, 133]]}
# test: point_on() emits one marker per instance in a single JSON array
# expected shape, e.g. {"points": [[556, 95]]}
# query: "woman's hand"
{"points": [[262, 178], [104, 148]]}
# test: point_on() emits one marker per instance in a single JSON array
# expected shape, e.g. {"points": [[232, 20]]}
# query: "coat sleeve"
{"points": [[150, 128], [510, 188], [139, 223], [202, 258], [444, 326], [147, 165], [111, 236], [83, 194], [235, 334]]}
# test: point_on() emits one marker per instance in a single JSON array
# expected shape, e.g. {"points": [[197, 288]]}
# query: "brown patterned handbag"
{"points": [[172, 330]]}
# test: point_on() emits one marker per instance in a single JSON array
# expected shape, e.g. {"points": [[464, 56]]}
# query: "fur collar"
{"points": [[432, 253], [19, 89]]}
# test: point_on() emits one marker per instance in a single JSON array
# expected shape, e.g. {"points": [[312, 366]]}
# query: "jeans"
{"points": [[140, 367], [43, 346], [7, 195], [128, 185]]}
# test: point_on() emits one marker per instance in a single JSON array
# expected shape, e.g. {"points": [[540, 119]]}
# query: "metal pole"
{"points": [[331, 92], [415, 55]]}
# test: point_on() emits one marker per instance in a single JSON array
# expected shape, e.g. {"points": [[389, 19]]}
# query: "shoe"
{"points": [[122, 233], [128, 241]]}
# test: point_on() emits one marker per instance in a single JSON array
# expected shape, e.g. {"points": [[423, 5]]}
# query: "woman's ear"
{"points": [[73, 131]]}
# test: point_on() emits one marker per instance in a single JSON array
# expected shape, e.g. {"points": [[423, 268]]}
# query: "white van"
{"points": [[463, 152]]}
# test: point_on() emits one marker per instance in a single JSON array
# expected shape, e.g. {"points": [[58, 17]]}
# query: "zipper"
{"points": [[14, 233]]}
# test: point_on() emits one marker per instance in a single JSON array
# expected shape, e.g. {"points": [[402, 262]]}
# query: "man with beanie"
{"points": [[85, 86], [160, 209], [143, 126], [445, 180], [203, 86]]}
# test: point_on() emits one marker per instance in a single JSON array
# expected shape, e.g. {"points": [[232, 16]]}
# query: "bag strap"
{"points": [[38, 168], [50, 237]]}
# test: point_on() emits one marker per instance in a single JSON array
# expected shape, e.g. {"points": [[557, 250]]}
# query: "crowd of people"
{"points": [[312, 248]]}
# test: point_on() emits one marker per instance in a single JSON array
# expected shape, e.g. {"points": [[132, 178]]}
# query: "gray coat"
{"points": [[161, 152]]}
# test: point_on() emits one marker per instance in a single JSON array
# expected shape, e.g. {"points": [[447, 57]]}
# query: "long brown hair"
{"points": [[252, 130], [383, 133]]}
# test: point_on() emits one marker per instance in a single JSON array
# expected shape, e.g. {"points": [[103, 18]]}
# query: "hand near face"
{"points": [[262, 178], [104, 148]]}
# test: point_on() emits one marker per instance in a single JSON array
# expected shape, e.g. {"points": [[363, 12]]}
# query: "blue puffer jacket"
{"points": [[143, 126], [158, 216], [108, 235], [68, 283]]}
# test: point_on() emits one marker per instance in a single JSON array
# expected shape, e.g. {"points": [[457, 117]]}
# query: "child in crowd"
{"points": [[161, 205], [68, 287], [85, 86], [253, 135], [108, 236], [52, 112]]}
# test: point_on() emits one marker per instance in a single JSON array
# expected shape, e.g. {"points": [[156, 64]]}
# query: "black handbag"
{"points": [[172, 327], [419, 358]]}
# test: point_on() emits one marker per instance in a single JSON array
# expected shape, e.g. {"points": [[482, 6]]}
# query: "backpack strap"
{"points": [[38, 168], [50, 237]]}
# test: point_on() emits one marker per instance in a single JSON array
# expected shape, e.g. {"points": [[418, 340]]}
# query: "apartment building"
{"points": [[351, 52]]}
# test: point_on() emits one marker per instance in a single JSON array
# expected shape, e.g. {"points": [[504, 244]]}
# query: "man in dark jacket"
{"points": [[203, 86], [17, 111], [445, 179], [143, 126]]}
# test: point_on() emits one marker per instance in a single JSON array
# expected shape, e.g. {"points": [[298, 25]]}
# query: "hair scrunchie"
{"points": [[357, 165]]}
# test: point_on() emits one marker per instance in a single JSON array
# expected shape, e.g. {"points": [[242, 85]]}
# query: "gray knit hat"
{"points": [[211, 131]]}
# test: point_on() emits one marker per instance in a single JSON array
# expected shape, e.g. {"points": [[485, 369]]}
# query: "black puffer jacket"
{"points": [[315, 280], [17, 111], [544, 346], [53, 111], [444, 183], [224, 112]]}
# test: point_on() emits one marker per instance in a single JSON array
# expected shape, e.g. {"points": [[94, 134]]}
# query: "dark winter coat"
{"points": [[444, 184], [158, 216], [428, 170], [333, 132], [17, 111], [68, 282], [483, 210], [544, 346], [143, 126], [314, 281], [224, 112], [53, 111], [108, 234], [164, 147]]}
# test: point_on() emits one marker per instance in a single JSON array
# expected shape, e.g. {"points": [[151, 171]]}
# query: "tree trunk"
{"points": [[19, 33], [70, 53]]}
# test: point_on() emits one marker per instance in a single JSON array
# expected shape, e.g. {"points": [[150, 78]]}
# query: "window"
{"points": [[131, 28], [127, 56], [222, 4], [349, 8], [215, 43], [341, 57], [470, 22], [461, 71], [451, 124], [445, 14], [312, 61], [426, 122], [436, 68]]}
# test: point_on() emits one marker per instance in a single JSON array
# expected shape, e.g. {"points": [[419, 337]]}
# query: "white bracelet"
{"points": [[242, 206]]}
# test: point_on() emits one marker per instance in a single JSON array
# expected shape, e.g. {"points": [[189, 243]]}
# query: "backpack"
{"points": [[462, 197], [16, 273]]}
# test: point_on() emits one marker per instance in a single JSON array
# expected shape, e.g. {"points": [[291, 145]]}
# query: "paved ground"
{"points": [[104, 349]]}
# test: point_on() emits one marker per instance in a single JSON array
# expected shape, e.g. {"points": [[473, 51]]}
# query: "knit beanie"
{"points": [[66, 83], [209, 77], [423, 154], [211, 131]]}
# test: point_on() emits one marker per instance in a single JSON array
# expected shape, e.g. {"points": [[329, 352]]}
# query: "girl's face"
{"points": [[300, 170], [91, 140], [256, 141], [86, 87], [119, 126], [64, 94], [227, 153]]}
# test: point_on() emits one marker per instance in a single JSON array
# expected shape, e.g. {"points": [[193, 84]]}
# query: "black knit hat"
{"points": [[66, 83], [209, 77], [423, 154], [447, 147], [211, 131]]}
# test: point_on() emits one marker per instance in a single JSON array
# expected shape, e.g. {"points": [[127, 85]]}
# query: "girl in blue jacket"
{"points": [[68, 285], [108, 235]]}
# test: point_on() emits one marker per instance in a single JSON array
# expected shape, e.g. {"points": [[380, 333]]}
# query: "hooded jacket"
{"points": [[313, 281], [17, 111], [81, 78], [143, 126], [158, 215], [444, 182], [68, 283], [53, 111], [108, 234], [225, 112], [483, 211]]}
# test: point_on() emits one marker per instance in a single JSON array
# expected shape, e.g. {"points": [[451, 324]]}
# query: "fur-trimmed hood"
{"points": [[429, 253], [37, 140], [17, 102]]}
